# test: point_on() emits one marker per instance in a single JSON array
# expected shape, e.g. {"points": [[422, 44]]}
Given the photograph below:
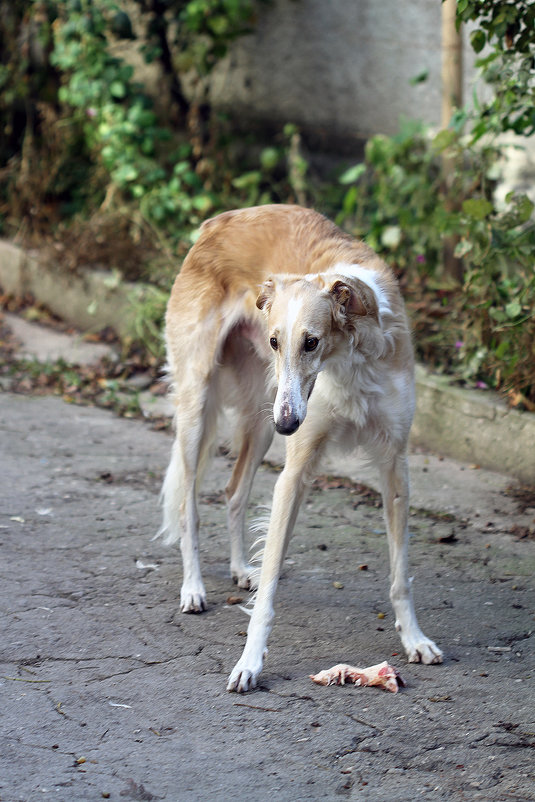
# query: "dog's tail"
{"points": [[171, 500]]}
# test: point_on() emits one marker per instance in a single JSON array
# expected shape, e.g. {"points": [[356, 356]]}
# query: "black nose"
{"points": [[287, 424]]}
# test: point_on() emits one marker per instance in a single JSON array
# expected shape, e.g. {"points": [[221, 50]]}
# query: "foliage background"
{"points": [[97, 170]]}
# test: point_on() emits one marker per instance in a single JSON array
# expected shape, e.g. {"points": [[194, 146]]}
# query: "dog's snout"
{"points": [[287, 425], [287, 422]]}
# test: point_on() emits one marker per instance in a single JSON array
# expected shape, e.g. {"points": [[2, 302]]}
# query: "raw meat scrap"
{"points": [[383, 675]]}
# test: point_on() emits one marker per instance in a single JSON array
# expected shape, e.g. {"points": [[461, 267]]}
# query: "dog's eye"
{"points": [[311, 343], [273, 342]]}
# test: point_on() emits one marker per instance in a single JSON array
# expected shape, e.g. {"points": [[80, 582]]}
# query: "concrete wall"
{"points": [[342, 67]]}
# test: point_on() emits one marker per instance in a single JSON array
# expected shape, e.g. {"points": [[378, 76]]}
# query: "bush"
{"points": [[407, 206], [85, 132], [506, 29], [416, 196]]}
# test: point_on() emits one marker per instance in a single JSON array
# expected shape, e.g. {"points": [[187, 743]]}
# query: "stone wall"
{"points": [[338, 67]]}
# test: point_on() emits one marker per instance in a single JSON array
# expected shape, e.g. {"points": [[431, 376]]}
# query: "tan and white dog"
{"points": [[298, 327]]}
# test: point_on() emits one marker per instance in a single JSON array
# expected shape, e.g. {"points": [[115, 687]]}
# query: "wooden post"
{"points": [[452, 62], [452, 98]]}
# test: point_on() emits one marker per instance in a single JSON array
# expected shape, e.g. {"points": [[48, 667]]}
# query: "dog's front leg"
{"points": [[395, 486], [287, 497]]}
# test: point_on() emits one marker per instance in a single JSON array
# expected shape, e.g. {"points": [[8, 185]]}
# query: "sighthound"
{"points": [[297, 327]]}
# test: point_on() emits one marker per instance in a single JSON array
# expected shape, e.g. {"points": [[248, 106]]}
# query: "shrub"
{"points": [[416, 193], [400, 200]]}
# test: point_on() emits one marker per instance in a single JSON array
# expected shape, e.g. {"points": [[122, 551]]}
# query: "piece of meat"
{"points": [[383, 675]]}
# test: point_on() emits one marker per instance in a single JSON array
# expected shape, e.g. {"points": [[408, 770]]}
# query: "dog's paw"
{"points": [[423, 650], [246, 577], [241, 681], [192, 599], [244, 676]]}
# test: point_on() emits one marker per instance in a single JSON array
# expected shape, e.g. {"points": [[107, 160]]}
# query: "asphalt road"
{"points": [[108, 692]]}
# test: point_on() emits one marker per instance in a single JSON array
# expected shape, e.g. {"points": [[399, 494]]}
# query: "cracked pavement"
{"points": [[108, 692]]}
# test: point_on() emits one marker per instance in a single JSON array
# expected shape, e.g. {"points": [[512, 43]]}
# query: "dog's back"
{"points": [[235, 253]]}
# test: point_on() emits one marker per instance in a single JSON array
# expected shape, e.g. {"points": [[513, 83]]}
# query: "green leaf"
{"points": [[117, 89], [524, 208], [497, 314], [513, 309], [502, 349], [478, 40], [203, 203], [420, 78], [477, 208], [181, 167], [350, 201], [353, 174], [444, 139], [218, 24], [247, 180], [125, 173], [121, 26], [269, 158]]}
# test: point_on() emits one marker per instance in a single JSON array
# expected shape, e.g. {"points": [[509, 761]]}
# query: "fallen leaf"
{"points": [[234, 599]]}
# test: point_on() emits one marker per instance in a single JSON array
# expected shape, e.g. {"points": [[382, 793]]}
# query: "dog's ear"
{"points": [[358, 300], [265, 299]]}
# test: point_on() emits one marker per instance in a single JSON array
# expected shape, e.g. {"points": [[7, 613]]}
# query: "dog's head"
{"points": [[309, 319]]}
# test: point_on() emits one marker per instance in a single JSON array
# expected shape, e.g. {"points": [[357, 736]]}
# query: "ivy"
{"points": [[118, 118], [507, 30], [121, 148]]}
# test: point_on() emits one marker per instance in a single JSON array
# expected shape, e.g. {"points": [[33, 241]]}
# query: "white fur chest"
{"points": [[350, 391]]}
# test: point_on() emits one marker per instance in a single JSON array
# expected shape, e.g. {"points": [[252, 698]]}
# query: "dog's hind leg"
{"points": [[395, 489], [195, 425], [255, 441]]}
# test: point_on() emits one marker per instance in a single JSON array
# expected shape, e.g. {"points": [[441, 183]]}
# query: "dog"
{"points": [[300, 328]]}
